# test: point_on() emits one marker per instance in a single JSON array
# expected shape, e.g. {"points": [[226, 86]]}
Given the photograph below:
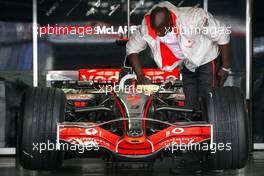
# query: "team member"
{"points": [[188, 38], [185, 37]]}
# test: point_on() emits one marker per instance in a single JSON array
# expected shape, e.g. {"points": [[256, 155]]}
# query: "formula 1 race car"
{"points": [[121, 121]]}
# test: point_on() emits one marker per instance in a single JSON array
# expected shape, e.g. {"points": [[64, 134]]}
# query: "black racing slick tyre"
{"points": [[42, 108], [225, 109]]}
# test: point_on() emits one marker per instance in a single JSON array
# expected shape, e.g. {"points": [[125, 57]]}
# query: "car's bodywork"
{"points": [[105, 109]]}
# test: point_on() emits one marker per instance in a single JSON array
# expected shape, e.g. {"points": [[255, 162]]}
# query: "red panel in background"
{"points": [[112, 75]]}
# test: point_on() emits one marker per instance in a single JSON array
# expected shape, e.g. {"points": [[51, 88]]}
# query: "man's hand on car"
{"points": [[142, 80]]}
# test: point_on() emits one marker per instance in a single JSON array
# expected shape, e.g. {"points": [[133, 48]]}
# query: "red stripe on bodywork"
{"points": [[121, 109], [146, 111]]}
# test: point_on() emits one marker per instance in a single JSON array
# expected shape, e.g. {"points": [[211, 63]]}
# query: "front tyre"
{"points": [[225, 109], [42, 109]]}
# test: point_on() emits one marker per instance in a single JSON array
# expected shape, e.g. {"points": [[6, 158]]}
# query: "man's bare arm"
{"points": [[225, 54], [136, 64]]}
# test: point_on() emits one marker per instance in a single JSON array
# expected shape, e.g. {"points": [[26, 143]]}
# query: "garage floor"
{"points": [[96, 167]]}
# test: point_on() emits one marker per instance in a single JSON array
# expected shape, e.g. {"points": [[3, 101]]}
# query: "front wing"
{"points": [[83, 134]]}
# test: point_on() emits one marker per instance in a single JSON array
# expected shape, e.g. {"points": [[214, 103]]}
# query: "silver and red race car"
{"points": [[106, 113]]}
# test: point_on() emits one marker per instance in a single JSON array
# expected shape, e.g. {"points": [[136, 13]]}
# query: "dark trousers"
{"points": [[197, 84]]}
